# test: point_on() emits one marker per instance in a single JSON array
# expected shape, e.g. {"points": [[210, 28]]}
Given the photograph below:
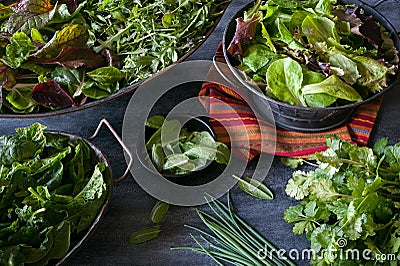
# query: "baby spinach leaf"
{"points": [[179, 160], [292, 4], [18, 50], [30, 14], [335, 87], [157, 156], [159, 211], [144, 235], [285, 77], [73, 80]]}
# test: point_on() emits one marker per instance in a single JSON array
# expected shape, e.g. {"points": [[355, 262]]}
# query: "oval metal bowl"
{"points": [[300, 118], [123, 91]]}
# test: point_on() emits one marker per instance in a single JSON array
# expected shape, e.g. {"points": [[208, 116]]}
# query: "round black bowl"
{"points": [[195, 178], [300, 118]]}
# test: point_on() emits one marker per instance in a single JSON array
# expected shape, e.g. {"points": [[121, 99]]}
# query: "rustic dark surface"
{"points": [[130, 206]]}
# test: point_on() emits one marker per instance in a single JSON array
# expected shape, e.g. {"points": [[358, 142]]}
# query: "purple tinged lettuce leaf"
{"points": [[51, 94], [72, 57], [245, 32], [30, 14], [361, 25]]}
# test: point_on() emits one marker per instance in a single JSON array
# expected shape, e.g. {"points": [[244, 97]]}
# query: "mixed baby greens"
{"points": [[57, 54], [313, 53], [51, 189], [350, 203], [180, 152]]}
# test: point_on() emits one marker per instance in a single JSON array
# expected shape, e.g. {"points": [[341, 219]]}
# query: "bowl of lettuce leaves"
{"points": [[55, 188], [311, 62], [63, 56]]}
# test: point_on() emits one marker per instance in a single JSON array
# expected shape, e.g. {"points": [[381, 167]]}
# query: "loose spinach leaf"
{"points": [[159, 211], [254, 188], [145, 234]]}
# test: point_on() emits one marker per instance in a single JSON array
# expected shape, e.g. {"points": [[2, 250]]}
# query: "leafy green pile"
{"points": [[57, 54], [51, 188], [150, 35], [181, 152], [314, 53], [350, 204]]}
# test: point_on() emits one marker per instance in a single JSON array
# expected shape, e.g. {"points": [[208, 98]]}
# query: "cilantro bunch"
{"points": [[349, 204]]}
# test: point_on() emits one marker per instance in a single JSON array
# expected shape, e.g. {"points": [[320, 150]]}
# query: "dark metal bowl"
{"points": [[198, 177], [300, 118]]}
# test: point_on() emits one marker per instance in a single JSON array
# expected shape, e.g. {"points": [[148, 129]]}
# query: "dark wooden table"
{"points": [[130, 206]]}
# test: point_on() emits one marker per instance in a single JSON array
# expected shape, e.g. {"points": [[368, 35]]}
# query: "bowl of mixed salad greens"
{"points": [[311, 62], [54, 189], [63, 56]]}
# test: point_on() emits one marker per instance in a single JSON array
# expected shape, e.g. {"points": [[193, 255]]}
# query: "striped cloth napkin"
{"points": [[241, 120]]}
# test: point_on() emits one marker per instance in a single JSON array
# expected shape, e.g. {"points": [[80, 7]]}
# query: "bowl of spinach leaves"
{"points": [[311, 62], [64, 56], [54, 189], [182, 149]]}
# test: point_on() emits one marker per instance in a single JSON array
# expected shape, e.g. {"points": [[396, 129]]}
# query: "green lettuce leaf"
{"points": [[335, 87], [285, 77]]}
